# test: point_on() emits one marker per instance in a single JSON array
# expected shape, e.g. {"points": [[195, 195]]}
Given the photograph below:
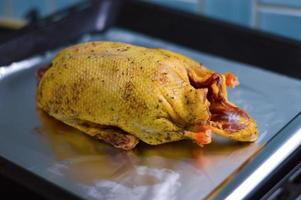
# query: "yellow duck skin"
{"points": [[121, 93]]}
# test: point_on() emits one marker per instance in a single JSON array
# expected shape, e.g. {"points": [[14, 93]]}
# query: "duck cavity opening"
{"points": [[224, 116]]}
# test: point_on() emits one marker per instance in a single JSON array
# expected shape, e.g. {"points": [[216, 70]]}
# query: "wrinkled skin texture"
{"points": [[121, 93]]}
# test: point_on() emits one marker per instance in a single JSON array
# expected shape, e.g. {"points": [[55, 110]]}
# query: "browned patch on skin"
{"points": [[163, 79], [118, 138], [122, 49], [160, 76], [128, 91], [58, 99], [77, 89], [167, 138], [133, 101], [109, 134], [62, 103]]}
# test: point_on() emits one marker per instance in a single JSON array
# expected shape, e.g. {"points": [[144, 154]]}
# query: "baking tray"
{"points": [[90, 169]]}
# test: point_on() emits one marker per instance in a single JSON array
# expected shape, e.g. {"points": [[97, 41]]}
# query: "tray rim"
{"points": [[275, 152]]}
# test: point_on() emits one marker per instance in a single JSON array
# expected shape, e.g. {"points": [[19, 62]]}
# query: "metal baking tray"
{"points": [[90, 169]]}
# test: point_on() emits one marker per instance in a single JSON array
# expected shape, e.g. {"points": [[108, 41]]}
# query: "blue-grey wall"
{"points": [[276, 16], [18, 8]]}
